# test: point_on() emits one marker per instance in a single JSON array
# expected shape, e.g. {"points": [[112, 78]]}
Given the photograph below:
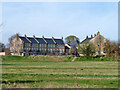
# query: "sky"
{"points": [[60, 19]]}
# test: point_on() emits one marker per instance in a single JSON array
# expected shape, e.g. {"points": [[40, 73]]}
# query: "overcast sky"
{"points": [[60, 19]]}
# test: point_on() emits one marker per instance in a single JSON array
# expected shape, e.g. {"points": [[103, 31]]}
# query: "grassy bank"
{"points": [[59, 72]]}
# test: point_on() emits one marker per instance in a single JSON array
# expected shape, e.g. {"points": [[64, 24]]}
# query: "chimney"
{"points": [[42, 36], [91, 36], [94, 35], [62, 38], [17, 35], [86, 37], [25, 35], [52, 37], [33, 36], [98, 33]]}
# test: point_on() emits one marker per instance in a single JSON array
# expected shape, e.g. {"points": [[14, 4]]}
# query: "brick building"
{"points": [[26, 46]]}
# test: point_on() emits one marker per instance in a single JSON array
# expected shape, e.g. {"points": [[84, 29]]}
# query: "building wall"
{"points": [[2, 53], [43, 49], [20, 48], [99, 42]]}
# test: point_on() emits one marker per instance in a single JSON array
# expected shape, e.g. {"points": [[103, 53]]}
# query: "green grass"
{"points": [[59, 72]]}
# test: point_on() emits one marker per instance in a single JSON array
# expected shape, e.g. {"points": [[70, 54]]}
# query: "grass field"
{"points": [[59, 72]]}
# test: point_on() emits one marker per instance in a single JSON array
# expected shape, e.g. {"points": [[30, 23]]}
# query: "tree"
{"points": [[2, 47], [87, 49], [111, 48], [71, 38], [11, 38]]}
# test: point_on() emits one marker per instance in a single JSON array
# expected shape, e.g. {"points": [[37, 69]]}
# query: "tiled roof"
{"points": [[24, 39], [49, 41], [85, 40], [74, 43], [66, 47], [32, 40], [41, 41], [59, 41]]}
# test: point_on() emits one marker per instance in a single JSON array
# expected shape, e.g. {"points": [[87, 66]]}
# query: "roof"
{"points": [[74, 43], [59, 41], [40, 40], [32, 40], [49, 41], [24, 39], [67, 46], [85, 40]]}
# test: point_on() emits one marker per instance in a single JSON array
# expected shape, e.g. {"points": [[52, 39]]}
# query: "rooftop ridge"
{"points": [[44, 40], [53, 40], [27, 39], [36, 39]]}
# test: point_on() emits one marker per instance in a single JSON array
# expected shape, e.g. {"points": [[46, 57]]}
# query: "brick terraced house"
{"points": [[26, 46]]}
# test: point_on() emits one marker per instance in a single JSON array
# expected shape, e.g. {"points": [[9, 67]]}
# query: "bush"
{"points": [[100, 58]]}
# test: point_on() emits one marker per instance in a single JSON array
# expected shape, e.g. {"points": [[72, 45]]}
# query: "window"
{"points": [[20, 49], [40, 45], [51, 45], [16, 46], [104, 50], [45, 50], [50, 50], [60, 51], [42, 49], [32, 45], [98, 45], [11, 49], [63, 50], [98, 51]]}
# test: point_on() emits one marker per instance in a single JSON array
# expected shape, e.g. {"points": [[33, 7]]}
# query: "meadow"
{"points": [[59, 72]]}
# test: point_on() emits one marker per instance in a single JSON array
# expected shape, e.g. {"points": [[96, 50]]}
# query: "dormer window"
{"points": [[98, 45]]}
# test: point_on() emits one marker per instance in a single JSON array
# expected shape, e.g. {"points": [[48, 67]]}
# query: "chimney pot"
{"points": [[33, 36], [94, 35], [61, 37], [42, 36], [98, 33], [91, 36], [86, 37], [17, 35], [53, 37], [25, 35]]}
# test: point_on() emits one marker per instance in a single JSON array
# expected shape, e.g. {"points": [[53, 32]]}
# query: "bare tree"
{"points": [[2, 47], [111, 48], [11, 38], [71, 38], [87, 49]]}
